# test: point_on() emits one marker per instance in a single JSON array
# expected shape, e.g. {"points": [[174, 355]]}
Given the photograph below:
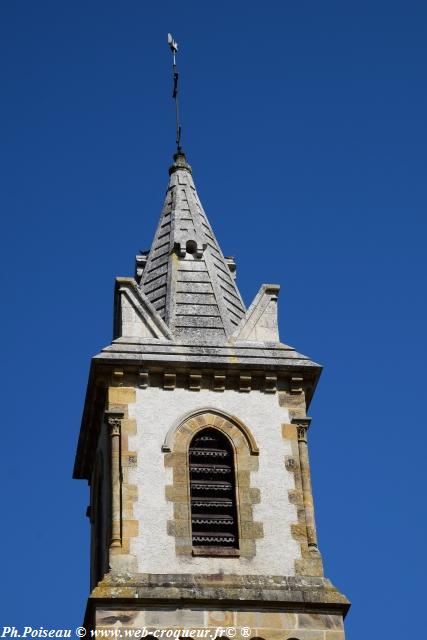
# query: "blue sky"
{"points": [[305, 126]]}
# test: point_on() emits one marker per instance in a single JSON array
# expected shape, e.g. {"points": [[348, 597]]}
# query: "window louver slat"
{"points": [[213, 491]]}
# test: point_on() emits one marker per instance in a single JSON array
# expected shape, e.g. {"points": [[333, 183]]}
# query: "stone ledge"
{"points": [[294, 591]]}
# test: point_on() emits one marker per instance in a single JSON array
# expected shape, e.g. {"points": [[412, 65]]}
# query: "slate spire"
{"points": [[185, 275]]}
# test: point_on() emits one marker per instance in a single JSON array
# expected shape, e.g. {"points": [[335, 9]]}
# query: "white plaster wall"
{"points": [[156, 410]]}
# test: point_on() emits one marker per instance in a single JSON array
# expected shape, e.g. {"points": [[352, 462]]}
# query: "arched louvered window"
{"points": [[213, 491]]}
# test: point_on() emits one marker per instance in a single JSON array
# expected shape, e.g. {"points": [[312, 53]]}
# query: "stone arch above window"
{"points": [[245, 462], [210, 417]]}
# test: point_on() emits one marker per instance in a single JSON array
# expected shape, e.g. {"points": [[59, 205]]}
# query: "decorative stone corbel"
{"points": [[245, 382], [296, 384], [194, 380], [117, 377], [143, 378], [169, 380], [270, 383], [219, 381]]}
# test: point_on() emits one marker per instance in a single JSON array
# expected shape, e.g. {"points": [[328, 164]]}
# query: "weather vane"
{"points": [[174, 48]]}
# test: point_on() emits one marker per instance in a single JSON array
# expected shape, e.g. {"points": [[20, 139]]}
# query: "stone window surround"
{"points": [[246, 452]]}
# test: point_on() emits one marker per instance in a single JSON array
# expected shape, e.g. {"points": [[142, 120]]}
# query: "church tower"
{"points": [[194, 443]]}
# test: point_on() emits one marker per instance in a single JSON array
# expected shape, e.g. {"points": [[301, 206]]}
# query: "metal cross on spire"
{"points": [[174, 48]]}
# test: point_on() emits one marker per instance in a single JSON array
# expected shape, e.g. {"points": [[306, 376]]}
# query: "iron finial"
{"points": [[174, 49]]}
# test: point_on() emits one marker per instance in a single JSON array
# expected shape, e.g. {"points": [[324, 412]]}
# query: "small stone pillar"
{"points": [[302, 429], [113, 420]]}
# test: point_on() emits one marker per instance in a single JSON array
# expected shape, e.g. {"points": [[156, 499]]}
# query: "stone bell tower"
{"points": [[194, 444]]}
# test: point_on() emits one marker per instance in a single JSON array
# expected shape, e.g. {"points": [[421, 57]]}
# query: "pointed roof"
{"points": [[186, 277]]}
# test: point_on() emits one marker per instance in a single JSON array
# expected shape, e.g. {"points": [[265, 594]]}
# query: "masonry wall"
{"points": [[261, 623], [155, 411]]}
